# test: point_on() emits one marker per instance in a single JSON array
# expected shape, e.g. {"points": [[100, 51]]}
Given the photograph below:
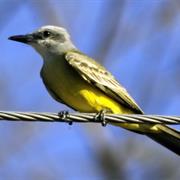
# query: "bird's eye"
{"points": [[46, 34]]}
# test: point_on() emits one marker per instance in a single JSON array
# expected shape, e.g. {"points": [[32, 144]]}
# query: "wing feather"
{"points": [[97, 75]]}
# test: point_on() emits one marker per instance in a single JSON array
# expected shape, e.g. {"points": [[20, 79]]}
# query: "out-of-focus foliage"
{"points": [[138, 41]]}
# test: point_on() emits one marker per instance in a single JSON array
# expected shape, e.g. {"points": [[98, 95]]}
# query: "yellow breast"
{"points": [[70, 87]]}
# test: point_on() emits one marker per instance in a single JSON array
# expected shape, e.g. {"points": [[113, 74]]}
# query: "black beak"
{"points": [[28, 38]]}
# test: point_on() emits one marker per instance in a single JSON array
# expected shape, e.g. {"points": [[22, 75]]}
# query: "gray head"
{"points": [[47, 40]]}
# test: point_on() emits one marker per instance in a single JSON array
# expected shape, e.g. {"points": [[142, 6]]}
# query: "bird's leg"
{"points": [[64, 115], [100, 117]]}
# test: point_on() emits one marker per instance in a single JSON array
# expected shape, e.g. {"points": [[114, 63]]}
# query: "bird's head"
{"points": [[47, 40]]}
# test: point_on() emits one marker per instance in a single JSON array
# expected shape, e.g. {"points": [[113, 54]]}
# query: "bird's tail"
{"points": [[167, 137]]}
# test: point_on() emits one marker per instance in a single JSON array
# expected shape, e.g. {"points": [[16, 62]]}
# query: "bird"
{"points": [[78, 81]]}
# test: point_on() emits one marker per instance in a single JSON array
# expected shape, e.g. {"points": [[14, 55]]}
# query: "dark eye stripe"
{"points": [[38, 35]]}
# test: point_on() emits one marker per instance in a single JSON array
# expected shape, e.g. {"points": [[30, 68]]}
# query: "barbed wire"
{"points": [[87, 117], [101, 117]]}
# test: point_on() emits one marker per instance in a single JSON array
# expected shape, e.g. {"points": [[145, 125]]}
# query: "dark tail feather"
{"points": [[168, 137]]}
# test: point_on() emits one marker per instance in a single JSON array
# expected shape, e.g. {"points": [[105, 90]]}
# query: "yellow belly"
{"points": [[68, 85], [95, 101]]}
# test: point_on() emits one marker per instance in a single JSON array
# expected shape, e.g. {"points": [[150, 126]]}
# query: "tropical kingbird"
{"points": [[74, 79]]}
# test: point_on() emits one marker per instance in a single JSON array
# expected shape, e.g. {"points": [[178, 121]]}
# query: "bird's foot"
{"points": [[99, 117], [64, 116]]}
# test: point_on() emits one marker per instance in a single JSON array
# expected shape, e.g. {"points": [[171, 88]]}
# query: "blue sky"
{"points": [[142, 53]]}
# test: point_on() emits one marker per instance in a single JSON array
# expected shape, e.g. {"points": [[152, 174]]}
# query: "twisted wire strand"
{"points": [[87, 117]]}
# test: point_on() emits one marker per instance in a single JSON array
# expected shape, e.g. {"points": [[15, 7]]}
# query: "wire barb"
{"points": [[63, 115], [101, 117]]}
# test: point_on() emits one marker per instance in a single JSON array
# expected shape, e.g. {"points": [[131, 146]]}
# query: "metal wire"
{"points": [[87, 117]]}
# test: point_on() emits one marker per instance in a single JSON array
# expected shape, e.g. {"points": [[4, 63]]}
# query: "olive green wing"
{"points": [[98, 76]]}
